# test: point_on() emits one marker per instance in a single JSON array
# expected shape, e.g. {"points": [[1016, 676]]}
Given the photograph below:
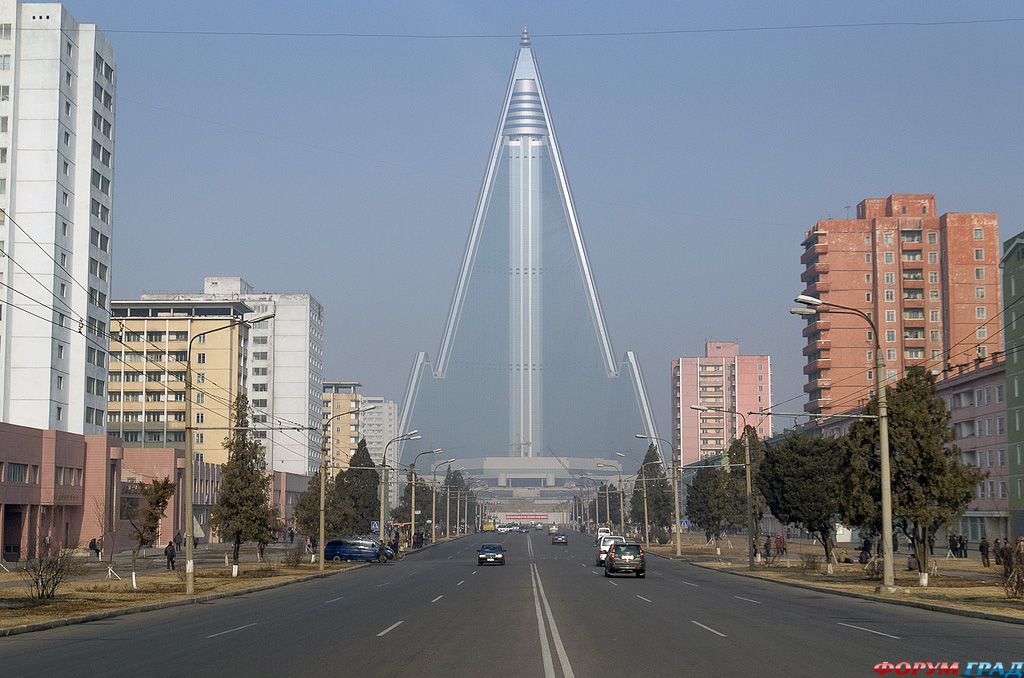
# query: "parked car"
{"points": [[353, 548], [490, 554], [625, 558], [559, 538], [602, 548]]}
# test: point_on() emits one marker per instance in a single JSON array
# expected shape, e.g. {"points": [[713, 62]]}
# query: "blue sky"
{"points": [[349, 167]]}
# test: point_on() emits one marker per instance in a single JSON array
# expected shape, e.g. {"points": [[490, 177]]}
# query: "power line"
{"points": [[592, 34]]}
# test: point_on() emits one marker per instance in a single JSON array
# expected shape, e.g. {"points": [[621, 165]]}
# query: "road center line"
{"points": [[461, 582], [333, 600], [749, 600], [689, 583], [384, 584], [545, 650], [237, 628], [437, 599], [708, 628], [563, 658], [390, 628], [861, 628], [612, 583], [642, 598]]}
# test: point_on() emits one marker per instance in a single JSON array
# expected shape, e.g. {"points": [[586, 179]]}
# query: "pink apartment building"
{"points": [[721, 378]]}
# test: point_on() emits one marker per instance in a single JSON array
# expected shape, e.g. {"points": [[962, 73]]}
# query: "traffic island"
{"points": [[88, 600], [962, 595]]}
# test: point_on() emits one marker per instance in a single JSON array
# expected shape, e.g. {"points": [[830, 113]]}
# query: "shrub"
{"points": [[47, 573], [810, 562]]}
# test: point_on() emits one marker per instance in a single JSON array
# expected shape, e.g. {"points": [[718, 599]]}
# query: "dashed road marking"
{"points": [[333, 600], [237, 628], [861, 628], [749, 600], [390, 628], [642, 598], [708, 628], [461, 582], [437, 599]]}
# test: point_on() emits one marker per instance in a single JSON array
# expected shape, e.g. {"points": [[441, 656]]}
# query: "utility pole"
{"points": [[323, 497]]}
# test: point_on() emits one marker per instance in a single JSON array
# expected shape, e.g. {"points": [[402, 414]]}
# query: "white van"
{"points": [[602, 532]]}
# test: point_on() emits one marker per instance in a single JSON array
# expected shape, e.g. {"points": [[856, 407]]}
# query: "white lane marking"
{"points": [[861, 628], [749, 600], [708, 628], [451, 556], [545, 650], [529, 546], [390, 628], [237, 628], [438, 598], [461, 582], [642, 598], [563, 658], [612, 583], [384, 584], [689, 584], [473, 572], [333, 600]]}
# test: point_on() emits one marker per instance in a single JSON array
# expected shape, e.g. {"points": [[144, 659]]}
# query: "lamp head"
{"points": [[808, 300], [803, 310], [699, 408]]}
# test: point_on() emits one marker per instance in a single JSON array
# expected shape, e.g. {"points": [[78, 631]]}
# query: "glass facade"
{"points": [[526, 368]]}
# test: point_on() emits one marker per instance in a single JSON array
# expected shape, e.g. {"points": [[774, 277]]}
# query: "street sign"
{"points": [[374, 526], [685, 522]]}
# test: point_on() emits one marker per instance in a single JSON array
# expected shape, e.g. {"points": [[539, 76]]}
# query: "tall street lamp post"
{"points": [[812, 306], [412, 503], [642, 477], [190, 572], [622, 512], [746, 463], [384, 487], [433, 499], [323, 476], [675, 489]]}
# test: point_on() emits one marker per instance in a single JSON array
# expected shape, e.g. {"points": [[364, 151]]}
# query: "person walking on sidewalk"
{"points": [[996, 551], [178, 541], [983, 550], [170, 552]]}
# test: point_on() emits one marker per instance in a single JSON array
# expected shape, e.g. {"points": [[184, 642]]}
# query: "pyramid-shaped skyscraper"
{"points": [[526, 384]]}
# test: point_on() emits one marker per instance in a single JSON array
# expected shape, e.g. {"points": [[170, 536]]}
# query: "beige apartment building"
{"points": [[343, 438], [146, 390]]}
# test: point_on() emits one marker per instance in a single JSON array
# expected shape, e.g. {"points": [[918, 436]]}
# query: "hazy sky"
{"points": [[349, 166]]}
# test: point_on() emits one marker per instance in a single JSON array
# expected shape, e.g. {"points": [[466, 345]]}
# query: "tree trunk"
{"points": [[826, 542], [234, 555], [921, 551], [135, 554]]}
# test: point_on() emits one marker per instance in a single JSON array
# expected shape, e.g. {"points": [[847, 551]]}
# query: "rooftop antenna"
{"points": [[524, 40]]}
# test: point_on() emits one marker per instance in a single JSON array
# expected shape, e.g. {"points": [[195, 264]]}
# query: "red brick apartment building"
{"points": [[930, 283]]}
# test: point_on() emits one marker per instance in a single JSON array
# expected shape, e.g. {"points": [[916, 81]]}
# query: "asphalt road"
{"points": [[549, 612]]}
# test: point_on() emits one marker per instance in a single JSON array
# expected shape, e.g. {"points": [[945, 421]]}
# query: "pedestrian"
{"points": [[963, 544], [309, 544], [291, 536], [99, 547], [767, 548], [895, 543], [983, 550], [93, 548], [178, 541], [170, 552], [931, 544], [996, 551], [260, 548], [778, 544]]}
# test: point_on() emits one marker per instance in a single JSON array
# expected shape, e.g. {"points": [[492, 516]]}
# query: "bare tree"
{"points": [[45, 574]]}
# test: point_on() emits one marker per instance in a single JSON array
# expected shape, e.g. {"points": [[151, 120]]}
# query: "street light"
{"points": [[746, 464], [622, 512], [190, 572], [812, 305], [675, 488], [433, 499], [642, 477], [384, 487], [323, 476], [412, 504]]}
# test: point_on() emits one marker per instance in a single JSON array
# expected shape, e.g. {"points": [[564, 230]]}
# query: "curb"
{"points": [[107, 614], [991, 616]]}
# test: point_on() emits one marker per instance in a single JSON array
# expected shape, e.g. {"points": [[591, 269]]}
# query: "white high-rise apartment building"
{"points": [[57, 90], [286, 369], [379, 425]]}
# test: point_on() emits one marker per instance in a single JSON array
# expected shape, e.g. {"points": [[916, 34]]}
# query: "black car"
{"points": [[625, 559], [490, 554], [524, 529], [559, 538]]}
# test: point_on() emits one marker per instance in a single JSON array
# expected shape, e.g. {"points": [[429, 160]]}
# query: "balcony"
{"points": [[820, 325], [812, 253], [817, 345], [815, 365], [816, 405], [817, 288], [817, 384], [812, 272]]}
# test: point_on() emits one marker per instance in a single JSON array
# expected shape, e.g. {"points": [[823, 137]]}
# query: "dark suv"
{"points": [[625, 558]]}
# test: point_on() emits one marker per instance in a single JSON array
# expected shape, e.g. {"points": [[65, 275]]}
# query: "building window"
{"points": [[890, 295], [979, 255], [933, 257], [867, 278], [890, 278], [67, 138], [867, 296], [887, 237], [933, 316], [978, 234], [890, 354], [979, 312], [5, 31], [890, 335], [979, 274], [935, 335], [933, 277], [200, 377], [890, 316], [201, 358], [5, 92], [932, 238], [199, 438], [5, 62], [867, 257], [889, 257], [979, 292], [200, 417], [982, 333]]}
